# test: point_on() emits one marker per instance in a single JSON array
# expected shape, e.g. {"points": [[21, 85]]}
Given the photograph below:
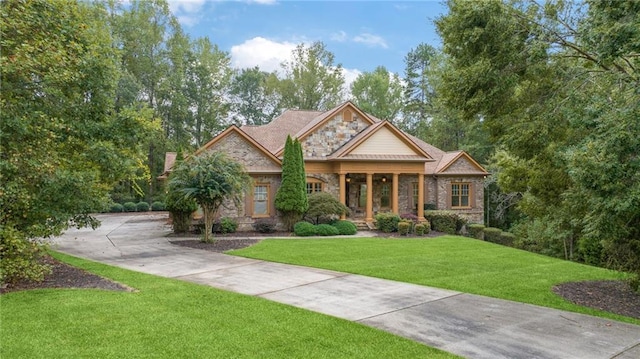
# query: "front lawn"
{"points": [[173, 319], [451, 262]]}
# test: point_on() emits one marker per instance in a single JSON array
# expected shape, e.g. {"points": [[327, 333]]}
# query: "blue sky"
{"points": [[361, 34]]}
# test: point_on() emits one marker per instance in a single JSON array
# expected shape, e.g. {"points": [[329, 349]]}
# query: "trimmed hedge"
{"points": [[492, 234], [228, 225], [507, 239], [129, 207], [142, 206], [443, 221], [304, 229], [420, 229], [327, 230], [387, 222], [265, 225], [346, 228], [157, 206], [404, 227], [476, 230], [116, 208]]}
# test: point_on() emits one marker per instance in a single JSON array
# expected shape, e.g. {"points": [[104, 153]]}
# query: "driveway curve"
{"points": [[468, 325]]}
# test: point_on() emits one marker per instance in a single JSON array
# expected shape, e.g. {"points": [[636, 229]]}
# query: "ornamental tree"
{"points": [[291, 198], [210, 179]]}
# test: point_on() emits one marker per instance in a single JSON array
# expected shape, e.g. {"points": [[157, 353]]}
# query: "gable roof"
{"points": [[274, 134], [449, 158], [245, 136], [349, 150], [322, 118]]}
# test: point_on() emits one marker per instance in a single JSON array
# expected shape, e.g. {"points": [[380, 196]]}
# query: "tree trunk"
{"points": [[209, 213]]}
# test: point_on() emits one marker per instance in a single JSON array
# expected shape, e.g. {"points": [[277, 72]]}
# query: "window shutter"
{"points": [[248, 202]]}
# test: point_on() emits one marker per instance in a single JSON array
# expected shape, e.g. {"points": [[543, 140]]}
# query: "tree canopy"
{"points": [[378, 93]]}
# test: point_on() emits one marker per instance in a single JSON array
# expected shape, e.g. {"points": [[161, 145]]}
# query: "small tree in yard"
{"points": [[291, 198], [210, 179], [324, 205]]}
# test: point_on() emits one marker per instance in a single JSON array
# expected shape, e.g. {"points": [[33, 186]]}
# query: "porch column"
{"points": [[343, 192], [394, 194], [369, 214], [421, 197]]}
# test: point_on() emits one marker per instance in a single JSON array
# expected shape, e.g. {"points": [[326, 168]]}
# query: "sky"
{"points": [[361, 34]]}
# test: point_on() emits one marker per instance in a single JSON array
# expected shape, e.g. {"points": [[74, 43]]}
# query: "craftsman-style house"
{"points": [[367, 163]]}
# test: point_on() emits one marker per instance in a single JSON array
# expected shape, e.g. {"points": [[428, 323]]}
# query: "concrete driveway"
{"points": [[468, 325]]}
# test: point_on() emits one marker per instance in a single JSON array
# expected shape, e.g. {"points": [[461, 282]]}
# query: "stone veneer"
{"points": [[475, 214], [330, 136], [244, 152]]}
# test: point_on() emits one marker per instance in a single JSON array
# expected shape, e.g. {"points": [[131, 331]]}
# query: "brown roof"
{"points": [[274, 134]]}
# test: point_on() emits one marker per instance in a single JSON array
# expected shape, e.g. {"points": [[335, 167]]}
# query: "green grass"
{"points": [[451, 262], [168, 318]]}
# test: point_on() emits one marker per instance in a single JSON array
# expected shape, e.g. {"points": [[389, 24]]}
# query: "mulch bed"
{"points": [[611, 296]]}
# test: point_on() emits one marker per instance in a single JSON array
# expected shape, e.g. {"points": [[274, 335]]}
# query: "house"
{"points": [[367, 163]]}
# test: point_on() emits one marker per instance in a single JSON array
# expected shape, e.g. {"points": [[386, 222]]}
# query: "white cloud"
{"points": [[371, 40], [188, 12], [261, 52], [339, 36], [350, 75]]}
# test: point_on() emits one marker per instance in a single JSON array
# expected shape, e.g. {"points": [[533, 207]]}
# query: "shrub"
{"points": [[507, 239], [326, 230], [430, 206], [116, 208], [345, 228], [181, 209], [228, 225], [20, 257], [142, 206], [404, 227], [409, 217], [304, 229], [157, 206], [443, 221], [476, 230], [129, 207], [323, 207], [420, 229], [492, 234], [387, 222], [265, 225]]}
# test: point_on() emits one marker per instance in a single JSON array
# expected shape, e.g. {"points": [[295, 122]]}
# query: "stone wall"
{"points": [[330, 136], [246, 153], [475, 214]]}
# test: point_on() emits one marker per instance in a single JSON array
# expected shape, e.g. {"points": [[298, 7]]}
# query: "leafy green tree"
{"points": [[322, 205], [62, 146], [311, 80], [418, 90], [210, 179], [254, 102], [180, 207], [556, 87], [291, 198], [378, 93]]}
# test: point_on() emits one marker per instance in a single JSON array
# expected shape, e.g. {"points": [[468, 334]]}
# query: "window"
{"points": [[414, 194], [460, 195], [384, 196], [261, 200], [314, 186]]}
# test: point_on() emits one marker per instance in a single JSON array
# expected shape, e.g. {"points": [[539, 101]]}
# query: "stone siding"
{"points": [[475, 214], [331, 182], [237, 148], [462, 165], [330, 136]]}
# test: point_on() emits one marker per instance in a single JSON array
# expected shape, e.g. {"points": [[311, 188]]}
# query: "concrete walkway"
{"points": [[468, 325]]}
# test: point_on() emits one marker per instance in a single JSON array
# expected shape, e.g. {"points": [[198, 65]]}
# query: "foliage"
{"points": [[311, 79], [265, 225], [291, 198], [324, 206], [476, 230], [418, 91], [254, 101], [326, 229], [228, 225], [346, 228], [387, 222], [430, 206], [421, 229], [142, 206], [129, 206], [507, 239], [180, 207], [409, 217], [492, 234], [404, 228], [20, 257], [157, 206], [378, 93], [210, 179], [555, 85], [304, 229], [116, 208], [444, 221]]}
